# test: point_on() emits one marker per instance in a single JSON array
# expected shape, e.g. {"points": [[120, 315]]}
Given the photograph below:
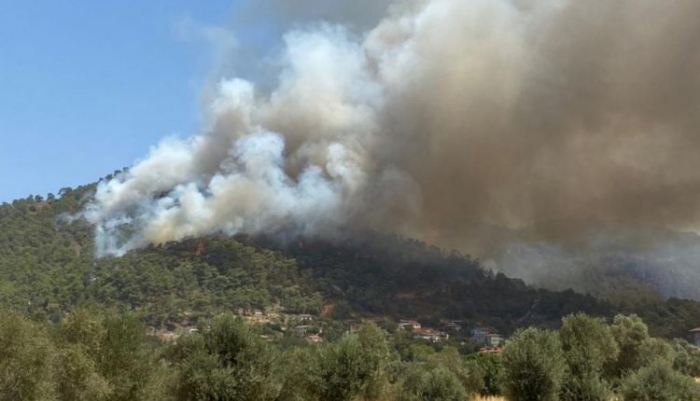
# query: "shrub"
{"points": [[225, 361], [687, 358], [588, 344], [436, 384], [630, 333], [490, 367], [659, 382], [468, 374], [533, 366], [26, 359]]}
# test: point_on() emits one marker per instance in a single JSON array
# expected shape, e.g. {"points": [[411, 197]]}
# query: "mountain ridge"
{"points": [[47, 267]]}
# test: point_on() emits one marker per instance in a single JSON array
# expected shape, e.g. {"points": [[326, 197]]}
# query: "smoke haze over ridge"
{"points": [[446, 116]]}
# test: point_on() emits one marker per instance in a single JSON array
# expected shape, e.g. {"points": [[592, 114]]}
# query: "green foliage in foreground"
{"points": [[89, 356], [27, 360], [227, 361], [490, 369], [588, 345], [99, 355], [589, 360], [93, 354], [659, 382], [534, 366]]}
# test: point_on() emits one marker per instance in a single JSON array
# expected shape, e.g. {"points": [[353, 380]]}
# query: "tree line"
{"points": [[96, 354], [47, 267]]}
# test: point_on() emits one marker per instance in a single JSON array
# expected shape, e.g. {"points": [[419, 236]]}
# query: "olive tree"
{"points": [[26, 360], [588, 345], [659, 382], [225, 360], [533, 366]]}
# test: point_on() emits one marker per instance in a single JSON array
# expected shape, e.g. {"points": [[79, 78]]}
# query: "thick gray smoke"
{"points": [[447, 117]]}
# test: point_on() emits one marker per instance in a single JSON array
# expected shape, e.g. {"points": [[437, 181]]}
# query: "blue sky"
{"points": [[87, 86]]}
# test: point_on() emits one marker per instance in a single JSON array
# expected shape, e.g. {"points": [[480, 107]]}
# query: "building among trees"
{"points": [[696, 336], [487, 336]]}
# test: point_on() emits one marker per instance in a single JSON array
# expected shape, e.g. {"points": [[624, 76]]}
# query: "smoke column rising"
{"points": [[447, 116]]}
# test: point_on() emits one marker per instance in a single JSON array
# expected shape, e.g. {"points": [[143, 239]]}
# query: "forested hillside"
{"points": [[47, 268]]}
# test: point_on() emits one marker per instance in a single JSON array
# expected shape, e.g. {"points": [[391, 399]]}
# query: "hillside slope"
{"points": [[47, 267]]}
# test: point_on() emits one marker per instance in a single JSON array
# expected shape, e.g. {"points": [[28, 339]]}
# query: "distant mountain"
{"points": [[616, 264]]}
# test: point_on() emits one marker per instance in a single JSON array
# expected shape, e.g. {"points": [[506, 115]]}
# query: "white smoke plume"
{"points": [[446, 117]]}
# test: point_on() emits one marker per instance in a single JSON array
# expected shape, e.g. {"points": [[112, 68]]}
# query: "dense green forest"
{"points": [[47, 268], [158, 323]]}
